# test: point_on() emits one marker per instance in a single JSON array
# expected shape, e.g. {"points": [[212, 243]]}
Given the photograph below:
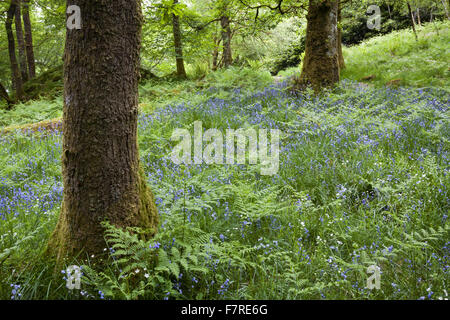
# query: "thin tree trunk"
{"points": [[339, 41], [446, 9], [226, 41], [418, 17], [215, 54], [412, 20], [100, 164], [181, 71], [15, 72], [21, 42], [28, 39], [389, 10], [321, 65]]}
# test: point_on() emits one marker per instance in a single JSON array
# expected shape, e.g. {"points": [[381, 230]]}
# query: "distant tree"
{"points": [[17, 83], [28, 39], [413, 22], [21, 42], [181, 72], [226, 40]]}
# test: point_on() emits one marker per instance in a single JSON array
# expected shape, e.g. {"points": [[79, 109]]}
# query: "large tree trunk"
{"points": [[21, 42], [28, 39], [15, 72], [339, 41], [100, 164], [226, 41], [321, 63], [181, 72]]}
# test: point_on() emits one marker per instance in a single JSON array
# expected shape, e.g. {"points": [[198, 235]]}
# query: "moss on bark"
{"points": [[64, 245], [102, 177], [320, 64]]}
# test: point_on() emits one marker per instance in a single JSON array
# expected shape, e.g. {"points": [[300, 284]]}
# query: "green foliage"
{"points": [[398, 56], [47, 85], [31, 112]]}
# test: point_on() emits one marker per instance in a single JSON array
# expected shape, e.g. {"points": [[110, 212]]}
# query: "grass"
{"points": [[398, 55]]}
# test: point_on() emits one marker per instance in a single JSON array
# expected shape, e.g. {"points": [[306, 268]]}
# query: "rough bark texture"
{"points": [[321, 64], [15, 72], [181, 72], [339, 41], [21, 42], [101, 171], [28, 39], [226, 40]]}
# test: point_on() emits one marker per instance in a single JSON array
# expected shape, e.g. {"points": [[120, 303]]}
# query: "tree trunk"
{"points": [[226, 40], [339, 41], [412, 20], [418, 17], [21, 42], [321, 64], [215, 54], [15, 72], [446, 9], [100, 164], [181, 72], [4, 94], [28, 39]]}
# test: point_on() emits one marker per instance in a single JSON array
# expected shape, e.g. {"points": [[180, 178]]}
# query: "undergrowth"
{"points": [[363, 180]]}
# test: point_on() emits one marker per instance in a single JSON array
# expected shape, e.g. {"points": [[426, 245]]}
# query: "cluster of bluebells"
{"points": [[224, 287], [15, 291]]}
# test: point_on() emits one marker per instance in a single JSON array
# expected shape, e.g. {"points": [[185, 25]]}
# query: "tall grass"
{"points": [[398, 56]]}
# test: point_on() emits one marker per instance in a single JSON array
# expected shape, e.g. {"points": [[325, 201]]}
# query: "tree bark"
{"points": [[4, 94], [321, 63], [226, 40], [181, 72], [100, 164], [215, 54], [21, 42], [339, 41], [446, 9], [412, 20], [419, 22], [28, 39], [15, 72]]}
